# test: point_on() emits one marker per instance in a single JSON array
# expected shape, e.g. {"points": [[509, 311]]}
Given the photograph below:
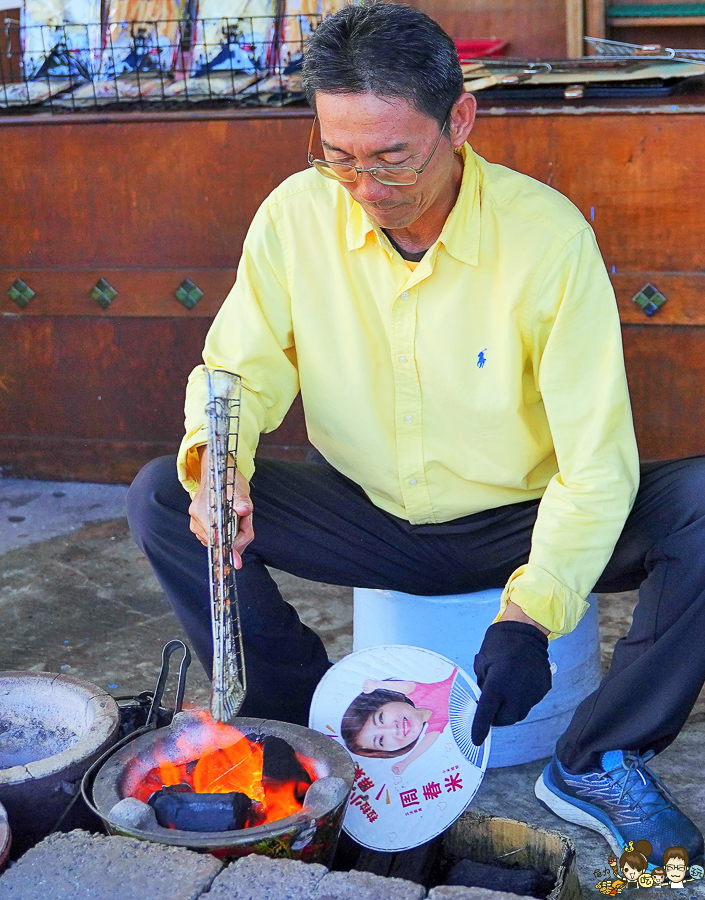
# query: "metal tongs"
{"points": [[146, 698], [228, 684]]}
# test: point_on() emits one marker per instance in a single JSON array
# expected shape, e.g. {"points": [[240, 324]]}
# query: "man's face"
{"points": [[365, 130], [675, 869]]}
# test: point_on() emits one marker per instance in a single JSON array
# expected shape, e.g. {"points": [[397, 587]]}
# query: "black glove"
{"points": [[513, 673]]}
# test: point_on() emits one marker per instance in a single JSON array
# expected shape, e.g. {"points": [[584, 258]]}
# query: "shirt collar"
{"points": [[461, 232]]}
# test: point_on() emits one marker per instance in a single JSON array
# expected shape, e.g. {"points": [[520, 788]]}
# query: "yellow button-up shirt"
{"points": [[491, 374]]}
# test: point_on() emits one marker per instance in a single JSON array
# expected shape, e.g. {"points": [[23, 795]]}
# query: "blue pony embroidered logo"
{"points": [[481, 358]]}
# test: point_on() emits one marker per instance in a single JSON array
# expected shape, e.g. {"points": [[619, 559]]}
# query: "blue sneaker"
{"points": [[623, 801]]}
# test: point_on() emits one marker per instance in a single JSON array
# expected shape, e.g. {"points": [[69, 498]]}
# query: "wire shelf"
{"points": [[604, 47], [162, 63]]}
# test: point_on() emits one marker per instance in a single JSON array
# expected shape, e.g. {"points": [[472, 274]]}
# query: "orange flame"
{"points": [[220, 760], [282, 799], [234, 768]]}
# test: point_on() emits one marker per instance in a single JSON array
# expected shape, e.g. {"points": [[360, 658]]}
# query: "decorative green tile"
{"points": [[188, 294], [649, 299], [103, 293], [20, 292]]}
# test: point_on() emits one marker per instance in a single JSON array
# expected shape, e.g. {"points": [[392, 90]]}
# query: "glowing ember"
{"points": [[219, 759]]}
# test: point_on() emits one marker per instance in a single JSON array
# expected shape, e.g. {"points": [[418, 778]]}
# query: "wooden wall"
{"points": [[533, 27], [92, 393], [147, 201]]}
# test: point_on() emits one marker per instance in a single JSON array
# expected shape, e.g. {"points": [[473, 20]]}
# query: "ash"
{"points": [[28, 739]]}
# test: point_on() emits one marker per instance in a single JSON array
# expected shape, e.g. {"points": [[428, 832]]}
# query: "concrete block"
{"points": [[366, 886], [82, 866], [260, 878], [456, 892]]}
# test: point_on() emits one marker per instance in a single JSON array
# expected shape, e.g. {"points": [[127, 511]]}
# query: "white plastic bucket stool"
{"points": [[454, 625]]}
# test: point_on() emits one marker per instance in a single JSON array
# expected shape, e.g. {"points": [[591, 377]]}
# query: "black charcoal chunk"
{"points": [[528, 881], [280, 762], [188, 811]]}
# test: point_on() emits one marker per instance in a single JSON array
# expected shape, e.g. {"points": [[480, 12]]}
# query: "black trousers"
{"points": [[313, 522]]}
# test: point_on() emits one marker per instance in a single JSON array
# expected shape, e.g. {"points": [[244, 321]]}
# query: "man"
{"points": [[455, 339], [675, 864]]}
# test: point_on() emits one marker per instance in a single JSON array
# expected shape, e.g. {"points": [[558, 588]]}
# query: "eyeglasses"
{"points": [[671, 868], [391, 175]]}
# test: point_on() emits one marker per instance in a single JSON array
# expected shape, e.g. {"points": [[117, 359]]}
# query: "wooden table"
{"points": [[147, 201]]}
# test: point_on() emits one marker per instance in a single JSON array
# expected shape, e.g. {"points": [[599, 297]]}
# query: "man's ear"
{"points": [[462, 119]]}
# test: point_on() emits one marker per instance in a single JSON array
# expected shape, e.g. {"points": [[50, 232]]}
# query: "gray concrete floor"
{"points": [[77, 596]]}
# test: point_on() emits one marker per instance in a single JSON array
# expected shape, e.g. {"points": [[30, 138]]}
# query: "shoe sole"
{"points": [[568, 811], [554, 802]]}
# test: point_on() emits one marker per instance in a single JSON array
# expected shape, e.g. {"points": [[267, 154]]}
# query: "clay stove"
{"points": [[310, 833], [52, 727]]}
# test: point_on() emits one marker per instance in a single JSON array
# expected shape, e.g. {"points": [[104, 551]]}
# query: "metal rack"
{"points": [[228, 684], [603, 47], [244, 61]]}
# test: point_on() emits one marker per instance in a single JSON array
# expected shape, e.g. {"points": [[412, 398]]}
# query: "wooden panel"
{"points": [[85, 399], [130, 193], [666, 371], [684, 293], [535, 28], [111, 461], [141, 292], [668, 36], [575, 28], [100, 460], [194, 218], [113, 379], [150, 293], [10, 56], [638, 179], [595, 18], [92, 394]]}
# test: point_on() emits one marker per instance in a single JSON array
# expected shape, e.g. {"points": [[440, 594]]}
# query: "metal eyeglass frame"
{"points": [[358, 171]]}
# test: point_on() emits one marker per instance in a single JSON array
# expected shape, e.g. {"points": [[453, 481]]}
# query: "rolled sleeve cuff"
{"points": [[545, 599], [188, 464]]}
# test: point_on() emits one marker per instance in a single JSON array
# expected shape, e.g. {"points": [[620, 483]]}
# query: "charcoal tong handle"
{"points": [[169, 649]]}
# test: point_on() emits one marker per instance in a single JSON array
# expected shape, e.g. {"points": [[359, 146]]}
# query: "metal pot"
{"points": [[310, 834]]}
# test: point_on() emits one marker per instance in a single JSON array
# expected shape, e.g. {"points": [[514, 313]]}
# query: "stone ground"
{"points": [[77, 596], [82, 866]]}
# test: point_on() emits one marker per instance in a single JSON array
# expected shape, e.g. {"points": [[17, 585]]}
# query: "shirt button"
{"points": [[412, 481], [405, 295], [402, 359], [408, 418]]}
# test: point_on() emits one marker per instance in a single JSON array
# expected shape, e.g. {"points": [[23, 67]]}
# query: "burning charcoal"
{"points": [[188, 811], [280, 762], [525, 881], [180, 788]]}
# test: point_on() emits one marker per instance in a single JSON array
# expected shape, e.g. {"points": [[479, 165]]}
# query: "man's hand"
{"points": [[198, 510], [513, 673]]}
